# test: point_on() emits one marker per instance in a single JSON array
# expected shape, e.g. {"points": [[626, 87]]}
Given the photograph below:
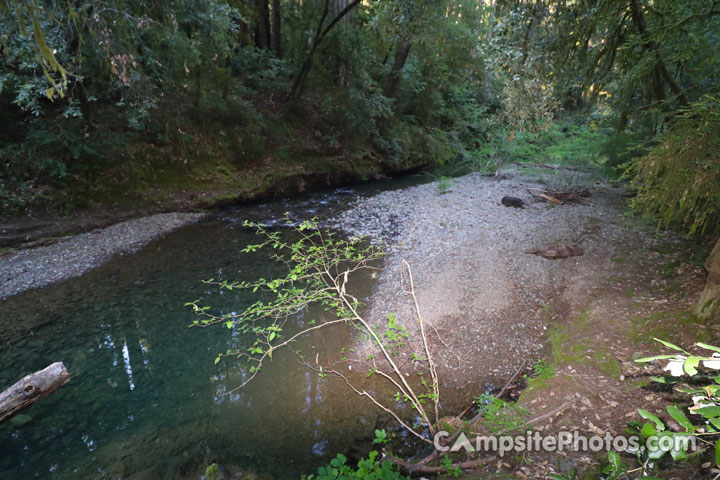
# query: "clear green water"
{"points": [[145, 397]]}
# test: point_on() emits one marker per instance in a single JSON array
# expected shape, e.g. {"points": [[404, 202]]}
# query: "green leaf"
{"points": [[649, 416], [678, 454], [709, 412], [338, 461], [679, 417], [670, 345], [717, 452], [681, 443], [690, 365], [648, 430], [217, 360], [656, 454], [715, 423], [271, 337], [690, 391], [656, 357], [614, 459], [708, 347]]}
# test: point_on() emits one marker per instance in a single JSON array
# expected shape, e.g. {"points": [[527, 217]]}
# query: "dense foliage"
{"points": [[134, 90], [679, 178], [97, 95], [651, 61]]}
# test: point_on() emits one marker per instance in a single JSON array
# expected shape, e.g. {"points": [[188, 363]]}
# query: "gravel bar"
{"points": [[475, 284], [73, 256]]}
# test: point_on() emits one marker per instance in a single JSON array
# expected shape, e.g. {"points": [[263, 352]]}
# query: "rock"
{"points": [[512, 202]]}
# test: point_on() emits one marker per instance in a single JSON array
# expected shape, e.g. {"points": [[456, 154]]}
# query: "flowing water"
{"points": [[146, 400]]}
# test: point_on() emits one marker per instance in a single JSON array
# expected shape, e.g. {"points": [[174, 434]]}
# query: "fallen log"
{"points": [[32, 388]]}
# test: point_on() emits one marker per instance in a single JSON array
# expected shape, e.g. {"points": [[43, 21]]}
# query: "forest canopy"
{"points": [[103, 96]]}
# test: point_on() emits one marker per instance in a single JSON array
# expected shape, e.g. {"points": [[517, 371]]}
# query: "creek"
{"points": [[146, 400]]}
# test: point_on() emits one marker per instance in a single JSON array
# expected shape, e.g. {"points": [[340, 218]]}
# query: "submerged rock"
{"points": [[20, 419]]}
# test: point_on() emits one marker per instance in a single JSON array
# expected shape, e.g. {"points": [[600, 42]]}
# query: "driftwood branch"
{"points": [[32, 388], [561, 197]]}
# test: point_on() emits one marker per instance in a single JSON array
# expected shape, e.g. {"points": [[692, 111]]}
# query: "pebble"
{"points": [[474, 282], [73, 256]]}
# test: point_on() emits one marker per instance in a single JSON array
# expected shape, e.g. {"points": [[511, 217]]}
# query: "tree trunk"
{"points": [[262, 24], [276, 26], [244, 35], [32, 388], [707, 306], [661, 74], [491, 22], [298, 86], [339, 6], [402, 51], [531, 31]]}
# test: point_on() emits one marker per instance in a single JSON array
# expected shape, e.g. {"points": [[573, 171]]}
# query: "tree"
{"points": [[402, 51], [298, 86], [320, 267], [637, 51], [262, 24], [709, 304], [276, 28]]}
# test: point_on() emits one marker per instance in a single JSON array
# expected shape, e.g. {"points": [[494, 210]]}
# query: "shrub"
{"points": [[369, 468], [679, 179]]}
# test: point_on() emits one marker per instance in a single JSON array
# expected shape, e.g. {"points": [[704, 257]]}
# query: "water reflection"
{"points": [[145, 398]]}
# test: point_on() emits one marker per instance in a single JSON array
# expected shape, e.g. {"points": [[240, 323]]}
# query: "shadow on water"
{"points": [[146, 399]]}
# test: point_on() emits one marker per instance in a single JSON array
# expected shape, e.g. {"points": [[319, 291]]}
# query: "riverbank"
{"points": [[474, 281], [212, 184], [571, 326], [72, 256]]}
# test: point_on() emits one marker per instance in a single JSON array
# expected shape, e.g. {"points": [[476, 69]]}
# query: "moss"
{"points": [[563, 351], [608, 364], [566, 351], [644, 329], [582, 322], [212, 472], [636, 385], [537, 383], [667, 326]]}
